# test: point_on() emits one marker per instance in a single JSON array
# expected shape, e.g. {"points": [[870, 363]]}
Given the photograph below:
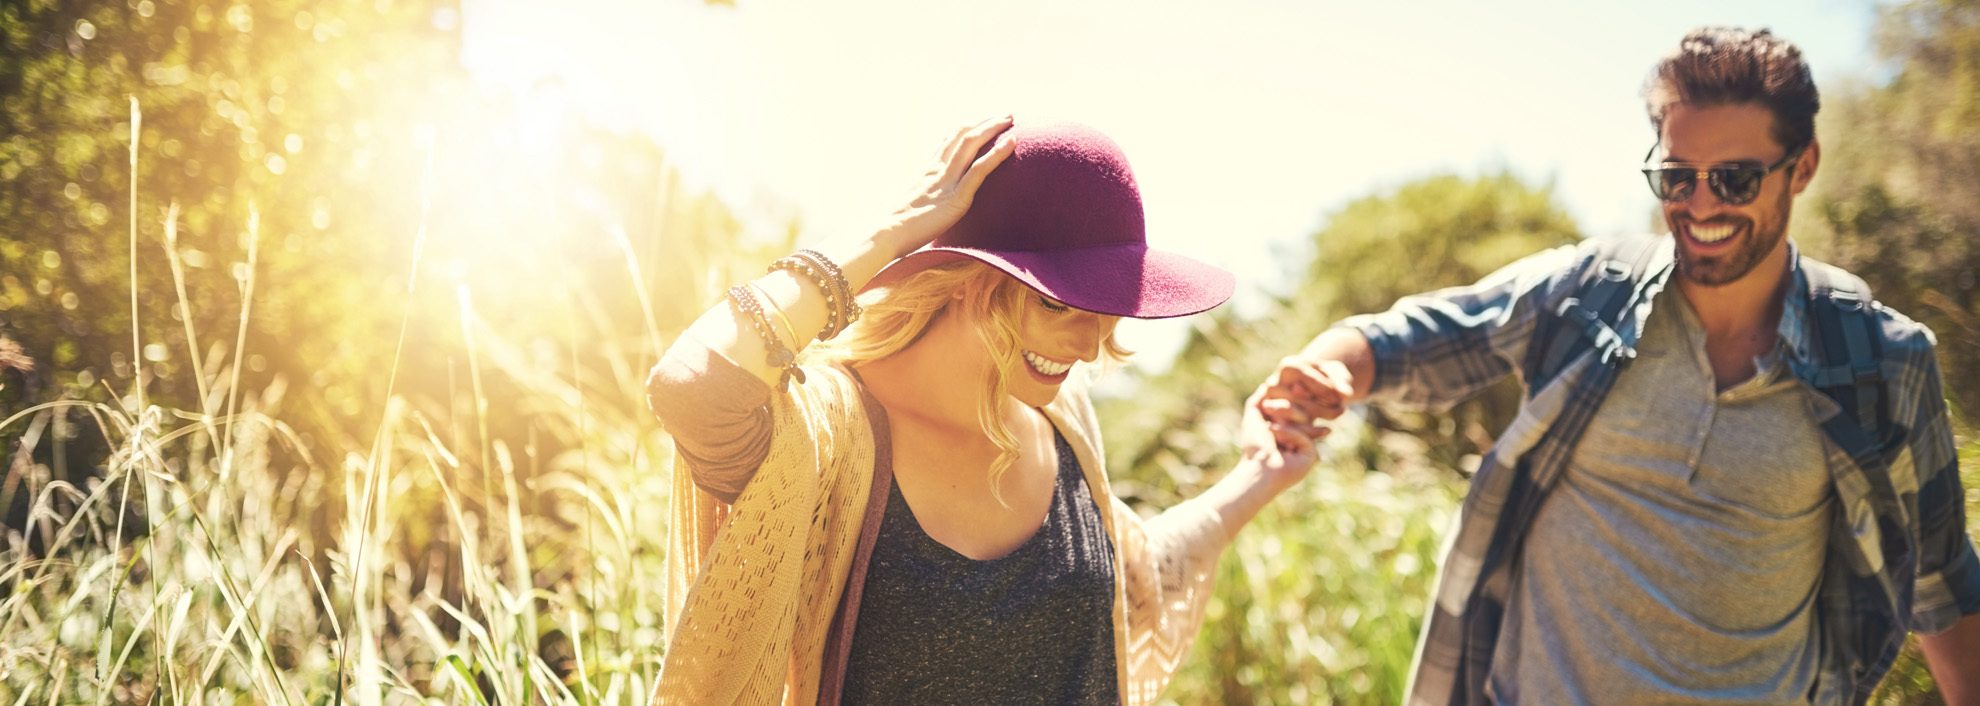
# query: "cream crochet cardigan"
{"points": [[752, 588]]}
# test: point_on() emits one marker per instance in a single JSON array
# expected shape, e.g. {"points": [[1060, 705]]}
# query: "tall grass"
{"points": [[197, 568], [1321, 597]]}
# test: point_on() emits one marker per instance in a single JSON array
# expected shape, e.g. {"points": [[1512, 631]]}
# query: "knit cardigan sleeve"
{"points": [[1170, 563], [717, 414], [752, 586]]}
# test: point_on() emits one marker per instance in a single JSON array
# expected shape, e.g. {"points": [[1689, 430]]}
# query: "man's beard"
{"points": [[1719, 270]]}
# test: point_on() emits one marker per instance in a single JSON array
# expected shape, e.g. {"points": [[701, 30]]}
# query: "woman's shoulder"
{"points": [[828, 387], [825, 411]]}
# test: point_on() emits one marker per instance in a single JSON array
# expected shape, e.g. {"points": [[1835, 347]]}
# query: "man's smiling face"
{"points": [[1718, 242]]}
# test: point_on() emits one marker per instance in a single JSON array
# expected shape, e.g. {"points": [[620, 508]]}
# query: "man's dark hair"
{"points": [[1727, 65]]}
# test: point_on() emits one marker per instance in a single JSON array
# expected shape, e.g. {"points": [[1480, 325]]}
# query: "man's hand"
{"points": [[1305, 392]]}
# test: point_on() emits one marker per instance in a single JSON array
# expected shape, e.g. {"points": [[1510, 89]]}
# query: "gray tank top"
{"points": [[1034, 626]]}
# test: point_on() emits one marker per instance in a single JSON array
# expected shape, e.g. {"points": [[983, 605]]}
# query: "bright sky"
{"points": [[1246, 121]]}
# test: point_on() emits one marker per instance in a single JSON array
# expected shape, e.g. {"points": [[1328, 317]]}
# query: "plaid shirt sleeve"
{"points": [[1437, 349], [1948, 586]]}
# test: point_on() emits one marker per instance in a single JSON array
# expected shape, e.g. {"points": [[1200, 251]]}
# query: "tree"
{"points": [[268, 107]]}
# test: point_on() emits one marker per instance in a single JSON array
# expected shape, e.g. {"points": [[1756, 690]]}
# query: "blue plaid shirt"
{"points": [[1437, 349]]}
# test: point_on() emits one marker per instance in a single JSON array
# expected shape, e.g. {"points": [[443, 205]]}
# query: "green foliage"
{"points": [[267, 104], [230, 596], [1440, 231], [352, 136], [1897, 201], [1320, 599], [1897, 196]]}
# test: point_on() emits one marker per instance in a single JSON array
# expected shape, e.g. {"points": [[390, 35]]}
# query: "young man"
{"points": [[1732, 479]]}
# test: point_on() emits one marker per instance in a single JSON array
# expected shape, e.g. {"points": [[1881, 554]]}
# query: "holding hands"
{"points": [[1286, 416], [1304, 392]]}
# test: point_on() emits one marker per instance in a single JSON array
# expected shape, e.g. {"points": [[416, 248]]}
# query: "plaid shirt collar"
{"points": [[1793, 329]]}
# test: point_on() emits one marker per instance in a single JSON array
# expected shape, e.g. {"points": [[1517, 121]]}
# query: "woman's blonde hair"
{"points": [[897, 315]]}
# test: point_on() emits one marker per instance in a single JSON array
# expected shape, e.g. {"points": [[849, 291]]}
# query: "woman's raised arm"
{"points": [[709, 387], [944, 196]]}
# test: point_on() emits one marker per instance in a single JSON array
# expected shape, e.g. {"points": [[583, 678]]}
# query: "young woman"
{"points": [[921, 514]]}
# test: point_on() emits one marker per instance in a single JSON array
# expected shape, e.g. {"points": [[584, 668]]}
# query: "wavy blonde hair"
{"points": [[897, 315]]}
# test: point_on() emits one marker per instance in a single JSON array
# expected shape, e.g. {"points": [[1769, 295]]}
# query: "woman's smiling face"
{"points": [[1033, 340], [1052, 337]]}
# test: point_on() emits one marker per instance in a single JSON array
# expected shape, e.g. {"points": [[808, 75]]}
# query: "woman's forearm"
{"points": [[1272, 457], [729, 333], [1242, 493]]}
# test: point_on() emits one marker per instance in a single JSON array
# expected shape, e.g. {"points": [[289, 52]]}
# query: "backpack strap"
{"points": [[1845, 365], [1605, 279], [1846, 357], [1594, 292]]}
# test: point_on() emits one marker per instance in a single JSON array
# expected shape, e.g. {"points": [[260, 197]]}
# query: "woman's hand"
{"points": [[948, 187], [1272, 457], [1283, 450]]}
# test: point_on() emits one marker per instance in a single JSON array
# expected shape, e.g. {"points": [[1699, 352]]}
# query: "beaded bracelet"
{"points": [[846, 294], [775, 354], [806, 268], [841, 310], [789, 332]]}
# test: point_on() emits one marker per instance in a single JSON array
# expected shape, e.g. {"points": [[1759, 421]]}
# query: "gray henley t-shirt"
{"points": [[1678, 560]]}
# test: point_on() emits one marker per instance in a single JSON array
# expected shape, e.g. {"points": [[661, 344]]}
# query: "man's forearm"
{"points": [[1954, 657]]}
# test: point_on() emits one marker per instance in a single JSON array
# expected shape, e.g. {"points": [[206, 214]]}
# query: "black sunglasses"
{"points": [[1736, 183]]}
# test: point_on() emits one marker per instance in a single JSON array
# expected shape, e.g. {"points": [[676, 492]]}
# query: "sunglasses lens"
{"points": [[1738, 185], [1672, 184]]}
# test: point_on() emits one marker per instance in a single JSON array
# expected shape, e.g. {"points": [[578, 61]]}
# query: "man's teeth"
{"points": [[1045, 366], [1711, 234]]}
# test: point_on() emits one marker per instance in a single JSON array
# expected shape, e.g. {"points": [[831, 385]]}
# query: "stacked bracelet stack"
{"points": [[790, 334], [775, 354], [841, 310]]}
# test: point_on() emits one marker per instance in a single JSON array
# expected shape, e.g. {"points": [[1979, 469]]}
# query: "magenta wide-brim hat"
{"points": [[1063, 215]]}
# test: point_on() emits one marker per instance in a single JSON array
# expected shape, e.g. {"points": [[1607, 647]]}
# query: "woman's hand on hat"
{"points": [[949, 186]]}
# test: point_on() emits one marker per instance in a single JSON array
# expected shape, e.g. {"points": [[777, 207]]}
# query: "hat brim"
{"points": [[1120, 279]]}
